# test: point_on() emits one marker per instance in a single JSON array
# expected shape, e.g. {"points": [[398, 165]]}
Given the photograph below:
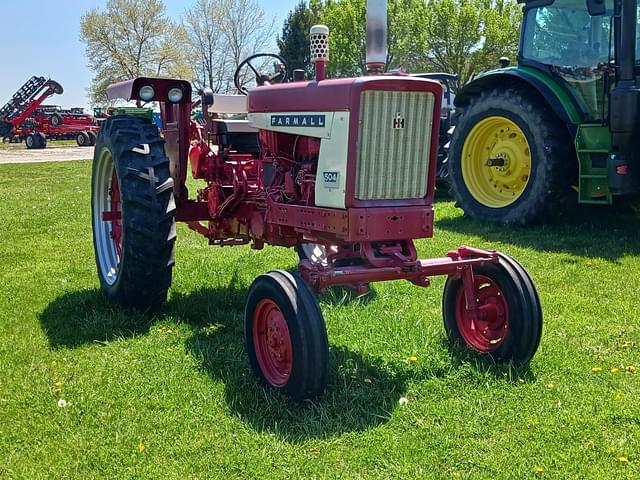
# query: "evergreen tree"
{"points": [[294, 42]]}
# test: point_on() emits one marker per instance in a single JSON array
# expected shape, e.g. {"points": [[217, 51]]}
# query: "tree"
{"points": [[246, 31], [131, 38], [221, 34], [469, 36], [203, 24], [455, 36], [294, 42], [347, 21]]}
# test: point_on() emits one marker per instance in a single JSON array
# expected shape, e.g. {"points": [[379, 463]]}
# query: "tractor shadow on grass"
{"points": [[484, 366], [362, 391], [590, 231], [86, 316]]}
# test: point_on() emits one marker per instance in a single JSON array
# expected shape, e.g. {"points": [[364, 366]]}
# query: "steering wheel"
{"points": [[261, 79]]}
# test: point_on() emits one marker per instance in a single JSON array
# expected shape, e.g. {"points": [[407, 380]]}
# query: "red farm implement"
{"points": [[24, 118], [343, 170]]}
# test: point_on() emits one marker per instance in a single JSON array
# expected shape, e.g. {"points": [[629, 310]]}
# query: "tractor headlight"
{"points": [[175, 94], [146, 93]]}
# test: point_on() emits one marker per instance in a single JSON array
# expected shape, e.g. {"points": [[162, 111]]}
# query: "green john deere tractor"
{"points": [[564, 119]]}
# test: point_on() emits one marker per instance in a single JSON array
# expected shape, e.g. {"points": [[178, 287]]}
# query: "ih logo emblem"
{"points": [[398, 122]]}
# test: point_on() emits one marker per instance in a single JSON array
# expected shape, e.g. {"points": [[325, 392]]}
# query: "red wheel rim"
{"points": [[115, 215], [272, 343], [487, 332]]}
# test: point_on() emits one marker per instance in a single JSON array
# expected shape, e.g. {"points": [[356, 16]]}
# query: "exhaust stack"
{"points": [[376, 36], [319, 35]]}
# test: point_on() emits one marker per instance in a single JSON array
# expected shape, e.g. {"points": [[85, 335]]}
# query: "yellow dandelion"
{"points": [[520, 380], [596, 369], [622, 459], [413, 358], [550, 386], [314, 451], [141, 447], [539, 469], [627, 344], [57, 384], [615, 370], [630, 368], [617, 395], [456, 474]]}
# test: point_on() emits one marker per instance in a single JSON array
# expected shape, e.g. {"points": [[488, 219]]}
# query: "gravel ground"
{"points": [[21, 154]]}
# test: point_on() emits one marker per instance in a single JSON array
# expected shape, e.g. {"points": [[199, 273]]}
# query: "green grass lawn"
{"points": [[170, 394]]}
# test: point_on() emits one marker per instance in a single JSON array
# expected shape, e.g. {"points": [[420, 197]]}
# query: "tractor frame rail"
{"points": [[457, 264]]}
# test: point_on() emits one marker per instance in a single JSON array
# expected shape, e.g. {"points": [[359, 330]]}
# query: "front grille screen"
{"points": [[394, 145]]}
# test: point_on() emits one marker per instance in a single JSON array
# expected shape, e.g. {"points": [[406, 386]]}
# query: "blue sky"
{"points": [[44, 40]]}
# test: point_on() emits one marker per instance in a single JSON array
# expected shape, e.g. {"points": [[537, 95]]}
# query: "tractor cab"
{"points": [[563, 39]]}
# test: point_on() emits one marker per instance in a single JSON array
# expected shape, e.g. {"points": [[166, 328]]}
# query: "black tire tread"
{"points": [[307, 329], [549, 184], [148, 210], [525, 331]]}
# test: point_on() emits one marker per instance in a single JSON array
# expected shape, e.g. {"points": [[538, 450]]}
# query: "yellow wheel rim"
{"points": [[496, 162]]}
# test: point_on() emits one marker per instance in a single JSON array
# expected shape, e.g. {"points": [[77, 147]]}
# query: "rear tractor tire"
{"points": [[133, 213], [509, 326], [285, 335], [511, 159]]}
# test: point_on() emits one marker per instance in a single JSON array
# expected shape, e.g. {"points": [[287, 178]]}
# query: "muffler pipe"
{"points": [[376, 60]]}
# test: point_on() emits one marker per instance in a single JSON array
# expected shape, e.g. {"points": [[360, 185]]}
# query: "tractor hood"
{"points": [[331, 95]]}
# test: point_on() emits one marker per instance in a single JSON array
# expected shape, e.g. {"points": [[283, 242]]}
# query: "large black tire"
{"points": [[41, 139], [92, 138], [285, 335], [134, 255], [56, 120], [508, 296], [83, 140], [31, 141], [552, 159]]}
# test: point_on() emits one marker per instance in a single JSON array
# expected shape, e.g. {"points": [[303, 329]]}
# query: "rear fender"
{"points": [[531, 80]]}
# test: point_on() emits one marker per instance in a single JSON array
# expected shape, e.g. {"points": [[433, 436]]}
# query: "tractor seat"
{"points": [[234, 134]]}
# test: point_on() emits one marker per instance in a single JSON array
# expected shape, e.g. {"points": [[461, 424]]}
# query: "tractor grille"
{"points": [[394, 145]]}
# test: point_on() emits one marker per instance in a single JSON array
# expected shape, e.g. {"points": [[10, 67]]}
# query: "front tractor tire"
{"points": [[510, 159], [509, 322], [133, 213], [285, 335]]}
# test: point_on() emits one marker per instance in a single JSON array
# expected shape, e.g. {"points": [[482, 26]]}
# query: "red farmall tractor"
{"points": [[343, 170]]}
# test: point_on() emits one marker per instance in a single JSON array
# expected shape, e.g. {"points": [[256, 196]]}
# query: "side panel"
{"points": [[332, 165]]}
